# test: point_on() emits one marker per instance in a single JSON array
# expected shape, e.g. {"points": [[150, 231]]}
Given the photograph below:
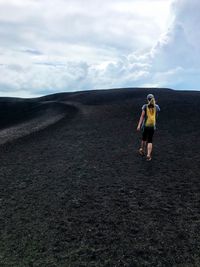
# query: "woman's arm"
{"points": [[141, 120]]}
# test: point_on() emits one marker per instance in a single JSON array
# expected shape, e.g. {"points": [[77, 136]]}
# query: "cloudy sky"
{"points": [[49, 46]]}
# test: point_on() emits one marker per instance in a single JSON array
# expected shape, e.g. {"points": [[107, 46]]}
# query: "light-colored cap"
{"points": [[150, 96]]}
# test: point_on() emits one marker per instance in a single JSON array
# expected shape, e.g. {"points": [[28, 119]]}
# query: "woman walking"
{"points": [[147, 123]]}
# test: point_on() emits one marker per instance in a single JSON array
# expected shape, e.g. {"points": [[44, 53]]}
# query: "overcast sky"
{"points": [[49, 46]]}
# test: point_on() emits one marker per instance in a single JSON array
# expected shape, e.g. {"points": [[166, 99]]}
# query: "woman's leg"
{"points": [[149, 149], [142, 149], [143, 145], [150, 142]]}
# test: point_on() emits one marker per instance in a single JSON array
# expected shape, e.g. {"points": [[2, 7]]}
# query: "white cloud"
{"points": [[176, 56], [59, 45]]}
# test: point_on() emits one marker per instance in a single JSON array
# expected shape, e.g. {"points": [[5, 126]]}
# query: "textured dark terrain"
{"points": [[74, 192]]}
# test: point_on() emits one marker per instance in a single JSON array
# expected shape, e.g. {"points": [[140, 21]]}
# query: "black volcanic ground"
{"points": [[74, 192]]}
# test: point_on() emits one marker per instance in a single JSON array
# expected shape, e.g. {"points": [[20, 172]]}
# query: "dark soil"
{"points": [[78, 194]]}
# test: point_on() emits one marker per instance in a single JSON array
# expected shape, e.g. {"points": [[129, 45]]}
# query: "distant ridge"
{"points": [[22, 116]]}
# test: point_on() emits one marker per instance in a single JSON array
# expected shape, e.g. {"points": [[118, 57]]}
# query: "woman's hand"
{"points": [[141, 120]]}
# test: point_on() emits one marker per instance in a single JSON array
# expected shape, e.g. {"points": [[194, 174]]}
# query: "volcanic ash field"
{"points": [[74, 191]]}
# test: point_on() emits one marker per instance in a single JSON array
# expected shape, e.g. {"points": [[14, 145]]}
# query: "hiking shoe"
{"points": [[141, 152], [149, 158]]}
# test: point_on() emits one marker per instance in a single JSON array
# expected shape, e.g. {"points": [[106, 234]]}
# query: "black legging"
{"points": [[147, 134]]}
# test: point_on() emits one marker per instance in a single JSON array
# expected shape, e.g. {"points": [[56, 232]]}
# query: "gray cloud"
{"points": [[50, 46], [176, 56], [33, 52]]}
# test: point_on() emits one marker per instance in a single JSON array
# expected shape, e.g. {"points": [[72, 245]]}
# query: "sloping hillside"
{"points": [[75, 192]]}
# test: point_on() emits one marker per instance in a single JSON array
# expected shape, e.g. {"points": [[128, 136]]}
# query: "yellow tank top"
{"points": [[150, 117]]}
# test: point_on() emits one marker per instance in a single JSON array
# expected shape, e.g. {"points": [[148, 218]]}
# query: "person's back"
{"points": [[147, 123]]}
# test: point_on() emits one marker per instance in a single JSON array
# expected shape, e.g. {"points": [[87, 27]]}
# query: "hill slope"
{"points": [[74, 192]]}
